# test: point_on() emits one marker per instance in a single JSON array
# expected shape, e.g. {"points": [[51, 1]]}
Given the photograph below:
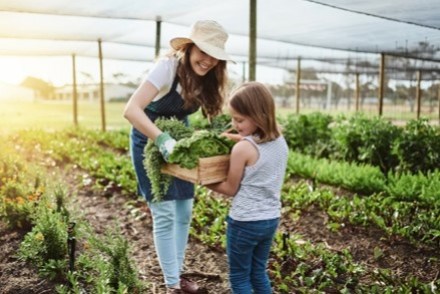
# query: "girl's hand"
{"points": [[233, 137], [230, 136]]}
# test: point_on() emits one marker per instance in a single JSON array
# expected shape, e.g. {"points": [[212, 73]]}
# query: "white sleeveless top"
{"points": [[258, 197]]}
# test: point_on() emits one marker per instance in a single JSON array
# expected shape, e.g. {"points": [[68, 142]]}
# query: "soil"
{"points": [[108, 207]]}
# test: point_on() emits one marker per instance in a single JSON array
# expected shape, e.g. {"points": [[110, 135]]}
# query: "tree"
{"points": [[42, 88]]}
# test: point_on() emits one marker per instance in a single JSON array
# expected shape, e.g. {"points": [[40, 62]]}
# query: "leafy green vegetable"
{"points": [[189, 148], [201, 144], [220, 123], [153, 158]]}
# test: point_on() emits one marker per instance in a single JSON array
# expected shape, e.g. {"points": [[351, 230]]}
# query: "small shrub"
{"points": [[18, 202], [117, 274], [309, 134], [364, 140], [418, 148], [46, 244]]}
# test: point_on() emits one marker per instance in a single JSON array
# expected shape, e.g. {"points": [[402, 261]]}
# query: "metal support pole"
{"points": [[418, 93], [74, 92], [101, 84], [158, 33], [252, 40], [328, 104], [358, 92], [381, 82], [243, 74], [298, 82]]}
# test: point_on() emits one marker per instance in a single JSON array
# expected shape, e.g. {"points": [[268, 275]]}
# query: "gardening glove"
{"points": [[165, 143]]}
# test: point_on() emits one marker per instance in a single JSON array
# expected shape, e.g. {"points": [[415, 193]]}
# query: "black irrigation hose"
{"points": [[71, 245]]}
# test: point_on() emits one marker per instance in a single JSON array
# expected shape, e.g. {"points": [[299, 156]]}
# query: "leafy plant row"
{"points": [[84, 149], [402, 204], [413, 148]]}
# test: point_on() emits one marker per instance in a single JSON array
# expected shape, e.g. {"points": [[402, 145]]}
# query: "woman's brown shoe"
{"points": [[190, 287]]}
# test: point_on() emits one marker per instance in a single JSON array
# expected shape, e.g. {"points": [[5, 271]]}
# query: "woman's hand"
{"points": [[166, 144]]}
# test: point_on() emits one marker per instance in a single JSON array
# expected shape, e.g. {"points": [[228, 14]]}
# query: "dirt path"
{"points": [[203, 265]]}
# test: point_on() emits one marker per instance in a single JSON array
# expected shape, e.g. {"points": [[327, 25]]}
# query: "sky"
{"points": [[58, 70]]}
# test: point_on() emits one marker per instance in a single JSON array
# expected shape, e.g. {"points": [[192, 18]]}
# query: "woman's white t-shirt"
{"points": [[162, 76]]}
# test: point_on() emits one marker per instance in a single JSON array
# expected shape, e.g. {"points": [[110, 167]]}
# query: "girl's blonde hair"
{"points": [[255, 101], [206, 91]]}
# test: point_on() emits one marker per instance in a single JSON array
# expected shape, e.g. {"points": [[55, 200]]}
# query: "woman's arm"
{"points": [[134, 110], [243, 154]]}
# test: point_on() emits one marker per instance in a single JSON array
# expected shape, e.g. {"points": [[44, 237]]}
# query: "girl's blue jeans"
{"points": [[171, 221], [248, 248]]}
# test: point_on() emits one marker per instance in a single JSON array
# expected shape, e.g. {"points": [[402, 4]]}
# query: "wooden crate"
{"points": [[209, 170]]}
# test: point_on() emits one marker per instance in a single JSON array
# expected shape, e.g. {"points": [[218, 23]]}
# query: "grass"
{"points": [[55, 115]]}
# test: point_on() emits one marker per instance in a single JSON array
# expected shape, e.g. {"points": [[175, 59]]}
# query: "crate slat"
{"points": [[208, 171]]}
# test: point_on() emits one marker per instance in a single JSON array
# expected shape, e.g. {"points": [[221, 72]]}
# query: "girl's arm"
{"points": [[134, 110], [243, 154], [233, 137]]}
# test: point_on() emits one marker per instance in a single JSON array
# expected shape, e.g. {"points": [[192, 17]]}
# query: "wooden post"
{"points": [[419, 93], [101, 84], [381, 82], [74, 93], [252, 40], [158, 33], [298, 82], [357, 92]]}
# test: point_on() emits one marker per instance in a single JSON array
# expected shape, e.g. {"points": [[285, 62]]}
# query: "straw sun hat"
{"points": [[209, 36]]}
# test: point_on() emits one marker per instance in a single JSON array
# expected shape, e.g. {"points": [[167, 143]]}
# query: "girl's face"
{"points": [[201, 62], [244, 125]]}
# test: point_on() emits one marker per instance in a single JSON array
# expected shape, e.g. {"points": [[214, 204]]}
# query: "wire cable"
{"points": [[374, 15]]}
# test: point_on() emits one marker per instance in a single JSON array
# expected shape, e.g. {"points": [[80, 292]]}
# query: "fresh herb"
{"points": [[153, 158]]}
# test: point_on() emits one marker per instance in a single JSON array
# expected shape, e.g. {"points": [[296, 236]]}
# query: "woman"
{"points": [[191, 76]]}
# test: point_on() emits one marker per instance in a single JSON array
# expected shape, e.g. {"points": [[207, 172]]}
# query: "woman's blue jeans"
{"points": [[248, 248], [171, 222]]}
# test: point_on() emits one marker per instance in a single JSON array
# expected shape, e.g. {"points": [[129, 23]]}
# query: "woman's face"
{"points": [[201, 62], [244, 125]]}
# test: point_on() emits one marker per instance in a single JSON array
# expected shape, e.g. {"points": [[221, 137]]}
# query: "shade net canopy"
{"points": [[333, 35]]}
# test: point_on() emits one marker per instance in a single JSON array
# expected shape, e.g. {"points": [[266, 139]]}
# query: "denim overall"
{"points": [[170, 105]]}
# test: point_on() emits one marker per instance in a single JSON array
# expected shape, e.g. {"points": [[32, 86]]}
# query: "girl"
{"points": [[256, 173], [193, 75]]}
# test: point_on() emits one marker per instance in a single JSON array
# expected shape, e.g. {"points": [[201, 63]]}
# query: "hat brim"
{"points": [[213, 51], [177, 43]]}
